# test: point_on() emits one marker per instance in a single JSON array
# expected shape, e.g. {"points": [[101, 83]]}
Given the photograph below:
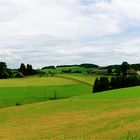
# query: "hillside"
{"points": [[108, 115], [35, 89]]}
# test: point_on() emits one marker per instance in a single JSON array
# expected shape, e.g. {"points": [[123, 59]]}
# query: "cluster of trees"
{"points": [[124, 79], [25, 70], [104, 83], [49, 67], [4, 71], [86, 65], [21, 72]]}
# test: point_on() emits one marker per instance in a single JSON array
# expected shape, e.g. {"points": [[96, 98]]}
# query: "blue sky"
{"points": [[52, 32]]}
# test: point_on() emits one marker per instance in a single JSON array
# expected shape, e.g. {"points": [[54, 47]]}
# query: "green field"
{"points": [[35, 89], [73, 69], [75, 115], [108, 115], [86, 78]]}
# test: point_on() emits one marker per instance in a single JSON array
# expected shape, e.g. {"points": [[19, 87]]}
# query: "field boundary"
{"points": [[74, 79]]}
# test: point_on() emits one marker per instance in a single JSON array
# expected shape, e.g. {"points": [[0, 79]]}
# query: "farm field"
{"points": [[87, 78], [72, 68], [107, 115], [35, 81], [35, 89]]}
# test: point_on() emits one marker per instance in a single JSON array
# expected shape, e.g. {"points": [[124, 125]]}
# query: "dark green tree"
{"points": [[29, 69], [124, 68], [3, 72], [22, 68], [96, 86], [109, 71], [101, 84]]}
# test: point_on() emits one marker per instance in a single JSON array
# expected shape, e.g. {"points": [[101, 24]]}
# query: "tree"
{"points": [[29, 69], [101, 84], [124, 68], [3, 66], [109, 71], [96, 86], [3, 70], [22, 68], [19, 75]]}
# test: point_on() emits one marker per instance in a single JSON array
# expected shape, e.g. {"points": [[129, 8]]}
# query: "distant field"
{"points": [[35, 81], [111, 115], [24, 95], [73, 68], [82, 77], [35, 89]]}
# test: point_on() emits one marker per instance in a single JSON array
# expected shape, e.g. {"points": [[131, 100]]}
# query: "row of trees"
{"points": [[104, 84], [121, 81], [27, 70], [21, 72]]}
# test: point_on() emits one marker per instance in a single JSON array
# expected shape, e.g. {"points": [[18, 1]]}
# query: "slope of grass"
{"points": [[81, 77], [133, 92], [95, 117], [10, 96], [35, 81]]}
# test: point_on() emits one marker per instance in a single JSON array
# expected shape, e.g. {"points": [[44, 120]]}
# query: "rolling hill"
{"points": [[107, 115]]}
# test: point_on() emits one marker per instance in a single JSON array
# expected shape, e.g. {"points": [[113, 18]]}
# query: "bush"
{"points": [[19, 75]]}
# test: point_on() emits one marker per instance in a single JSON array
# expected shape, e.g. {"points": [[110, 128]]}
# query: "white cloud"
{"points": [[68, 31]]}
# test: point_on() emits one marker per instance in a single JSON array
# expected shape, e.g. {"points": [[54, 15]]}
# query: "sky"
{"points": [[55, 32]]}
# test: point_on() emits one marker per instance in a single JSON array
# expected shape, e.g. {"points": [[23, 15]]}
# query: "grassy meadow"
{"points": [[93, 117], [35, 89], [29, 109]]}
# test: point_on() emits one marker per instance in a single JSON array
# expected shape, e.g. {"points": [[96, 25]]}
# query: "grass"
{"points": [[35, 89], [24, 95], [123, 93], [82, 77], [111, 115], [35, 81], [77, 118]]}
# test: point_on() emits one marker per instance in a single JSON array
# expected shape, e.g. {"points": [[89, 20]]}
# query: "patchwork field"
{"points": [[35, 89], [108, 115]]}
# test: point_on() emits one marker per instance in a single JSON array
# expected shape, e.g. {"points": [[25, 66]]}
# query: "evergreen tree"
{"points": [[124, 68], [109, 71], [22, 68]]}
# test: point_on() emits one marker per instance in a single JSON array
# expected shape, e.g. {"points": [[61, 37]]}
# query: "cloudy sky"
{"points": [[52, 32]]}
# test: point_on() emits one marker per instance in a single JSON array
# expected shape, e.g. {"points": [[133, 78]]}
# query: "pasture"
{"points": [[93, 117], [36, 89]]}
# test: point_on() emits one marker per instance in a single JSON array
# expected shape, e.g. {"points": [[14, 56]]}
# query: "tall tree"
{"points": [[29, 69], [3, 68], [22, 68], [124, 68], [109, 71]]}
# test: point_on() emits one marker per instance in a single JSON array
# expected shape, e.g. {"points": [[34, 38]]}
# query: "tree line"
{"points": [[5, 72], [121, 81]]}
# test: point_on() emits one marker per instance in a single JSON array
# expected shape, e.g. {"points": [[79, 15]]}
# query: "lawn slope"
{"points": [[100, 116]]}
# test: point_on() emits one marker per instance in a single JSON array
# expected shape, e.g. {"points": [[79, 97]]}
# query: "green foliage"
{"points": [[49, 67], [101, 84], [19, 75], [104, 84], [124, 68], [109, 71], [86, 65]]}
